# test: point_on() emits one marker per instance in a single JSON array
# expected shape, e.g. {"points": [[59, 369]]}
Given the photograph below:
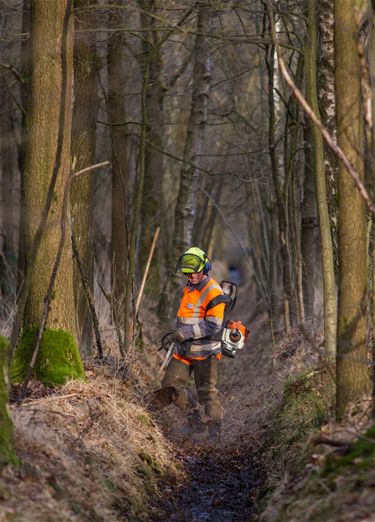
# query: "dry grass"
{"points": [[302, 488], [89, 452]]}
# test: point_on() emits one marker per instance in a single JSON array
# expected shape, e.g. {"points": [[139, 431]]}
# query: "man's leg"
{"points": [[205, 375]]}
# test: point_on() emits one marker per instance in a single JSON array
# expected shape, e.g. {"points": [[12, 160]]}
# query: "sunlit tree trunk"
{"points": [[83, 154], [353, 376]]}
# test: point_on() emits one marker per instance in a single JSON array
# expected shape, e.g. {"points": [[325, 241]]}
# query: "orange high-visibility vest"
{"points": [[192, 311]]}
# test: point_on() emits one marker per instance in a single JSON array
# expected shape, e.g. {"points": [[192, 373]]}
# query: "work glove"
{"points": [[180, 335]]}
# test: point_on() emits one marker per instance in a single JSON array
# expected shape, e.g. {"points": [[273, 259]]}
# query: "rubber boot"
{"points": [[214, 432]]}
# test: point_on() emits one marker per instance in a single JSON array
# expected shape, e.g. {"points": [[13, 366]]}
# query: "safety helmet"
{"points": [[193, 261]]}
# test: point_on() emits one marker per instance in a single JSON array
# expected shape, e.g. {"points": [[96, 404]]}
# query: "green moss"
{"points": [[150, 472], [143, 419], [7, 455], [58, 359]]}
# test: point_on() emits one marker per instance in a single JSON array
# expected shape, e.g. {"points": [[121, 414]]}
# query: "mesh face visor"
{"points": [[189, 264]]}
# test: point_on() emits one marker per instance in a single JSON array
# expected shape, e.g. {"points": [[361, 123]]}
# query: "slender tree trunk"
{"points": [[86, 104], [7, 455], [129, 318], [25, 91], [327, 106], [186, 200], [46, 172], [281, 201], [152, 196], [330, 306], [119, 159], [353, 377]]}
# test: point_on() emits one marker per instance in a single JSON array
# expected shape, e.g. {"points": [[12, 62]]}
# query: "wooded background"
{"points": [[245, 128]]}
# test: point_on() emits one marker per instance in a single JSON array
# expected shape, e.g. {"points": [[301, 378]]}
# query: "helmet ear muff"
{"points": [[207, 266]]}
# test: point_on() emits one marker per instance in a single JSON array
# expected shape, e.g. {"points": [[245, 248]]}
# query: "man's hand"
{"points": [[180, 335]]}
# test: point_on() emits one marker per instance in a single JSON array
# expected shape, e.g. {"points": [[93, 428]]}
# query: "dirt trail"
{"points": [[222, 481], [221, 486]]}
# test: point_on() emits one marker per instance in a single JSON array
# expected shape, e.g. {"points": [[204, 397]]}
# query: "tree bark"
{"points": [[152, 197], [185, 207], [86, 103], [353, 377], [330, 306], [119, 160], [7, 455], [46, 173]]}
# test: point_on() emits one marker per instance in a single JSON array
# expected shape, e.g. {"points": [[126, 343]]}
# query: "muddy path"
{"points": [[222, 485]]}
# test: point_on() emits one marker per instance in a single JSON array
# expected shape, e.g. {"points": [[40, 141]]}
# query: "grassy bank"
{"points": [[317, 470], [88, 451]]}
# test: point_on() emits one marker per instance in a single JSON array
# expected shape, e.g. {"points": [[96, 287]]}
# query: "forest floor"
{"points": [[93, 451]]}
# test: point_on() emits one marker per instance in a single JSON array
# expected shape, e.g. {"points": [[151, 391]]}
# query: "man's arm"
{"points": [[210, 325]]}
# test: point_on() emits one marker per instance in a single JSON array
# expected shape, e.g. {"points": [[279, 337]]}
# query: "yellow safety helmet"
{"points": [[193, 261]]}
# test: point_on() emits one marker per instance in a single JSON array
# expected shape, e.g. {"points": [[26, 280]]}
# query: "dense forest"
{"points": [[130, 131]]}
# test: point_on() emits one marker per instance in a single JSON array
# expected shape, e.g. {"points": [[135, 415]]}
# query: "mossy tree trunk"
{"points": [[353, 376], [86, 103], [47, 168], [330, 306], [7, 455]]}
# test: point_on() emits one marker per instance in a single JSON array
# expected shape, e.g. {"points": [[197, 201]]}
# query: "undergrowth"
{"points": [[306, 404]]}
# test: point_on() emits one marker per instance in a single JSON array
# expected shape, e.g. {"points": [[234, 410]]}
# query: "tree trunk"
{"points": [[330, 306], [119, 160], [281, 196], [185, 210], [86, 104], [6, 432], [353, 377], [327, 107], [152, 196], [46, 172]]}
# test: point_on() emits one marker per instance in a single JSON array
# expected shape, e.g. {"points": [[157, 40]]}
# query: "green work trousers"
{"points": [[205, 375]]}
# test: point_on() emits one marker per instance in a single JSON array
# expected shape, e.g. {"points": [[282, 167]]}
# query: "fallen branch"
{"points": [[322, 439]]}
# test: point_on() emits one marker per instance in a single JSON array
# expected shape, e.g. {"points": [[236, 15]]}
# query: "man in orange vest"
{"points": [[199, 318]]}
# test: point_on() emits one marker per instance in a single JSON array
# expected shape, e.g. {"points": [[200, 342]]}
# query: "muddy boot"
{"points": [[214, 432]]}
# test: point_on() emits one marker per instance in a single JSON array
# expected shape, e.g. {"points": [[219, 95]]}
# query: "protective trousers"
{"points": [[205, 375]]}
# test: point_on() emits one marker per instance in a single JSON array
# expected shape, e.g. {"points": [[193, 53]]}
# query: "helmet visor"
{"points": [[189, 264]]}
